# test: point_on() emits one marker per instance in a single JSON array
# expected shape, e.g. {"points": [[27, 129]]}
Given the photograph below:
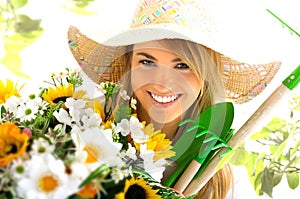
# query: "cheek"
{"points": [[194, 85]]}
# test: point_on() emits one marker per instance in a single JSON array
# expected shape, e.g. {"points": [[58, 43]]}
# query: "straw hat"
{"points": [[161, 19]]}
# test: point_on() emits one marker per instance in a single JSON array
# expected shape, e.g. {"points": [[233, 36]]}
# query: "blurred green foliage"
{"points": [[272, 153], [19, 30]]}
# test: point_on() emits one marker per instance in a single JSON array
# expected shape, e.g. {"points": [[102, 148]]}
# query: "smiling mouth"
{"points": [[164, 99]]}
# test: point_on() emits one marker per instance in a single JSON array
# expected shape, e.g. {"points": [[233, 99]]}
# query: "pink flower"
{"points": [[28, 132]]}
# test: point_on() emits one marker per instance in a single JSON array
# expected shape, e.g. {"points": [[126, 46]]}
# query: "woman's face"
{"points": [[163, 83]]}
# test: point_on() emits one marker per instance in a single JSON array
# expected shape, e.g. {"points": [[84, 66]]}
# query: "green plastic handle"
{"points": [[293, 79]]}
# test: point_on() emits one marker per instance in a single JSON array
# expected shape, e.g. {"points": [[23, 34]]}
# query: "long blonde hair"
{"points": [[206, 63]]}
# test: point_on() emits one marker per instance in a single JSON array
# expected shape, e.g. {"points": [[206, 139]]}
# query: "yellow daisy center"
{"points": [[48, 183]]}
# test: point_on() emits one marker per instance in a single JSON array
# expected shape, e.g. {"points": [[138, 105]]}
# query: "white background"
{"points": [[50, 53]]}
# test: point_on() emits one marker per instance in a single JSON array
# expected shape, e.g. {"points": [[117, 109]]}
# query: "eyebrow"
{"points": [[153, 58], [146, 55]]}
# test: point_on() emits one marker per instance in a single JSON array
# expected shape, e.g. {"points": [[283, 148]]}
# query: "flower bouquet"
{"points": [[59, 143]]}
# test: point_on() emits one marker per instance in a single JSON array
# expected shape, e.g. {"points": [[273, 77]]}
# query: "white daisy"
{"points": [[37, 102], [41, 147], [18, 168], [45, 178], [12, 104], [41, 104], [27, 111]]}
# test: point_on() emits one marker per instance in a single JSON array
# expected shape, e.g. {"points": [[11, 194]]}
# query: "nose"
{"points": [[165, 76]]}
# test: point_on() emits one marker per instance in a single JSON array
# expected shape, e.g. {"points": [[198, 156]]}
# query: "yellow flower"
{"points": [[13, 143], [157, 143], [58, 93], [8, 90], [98, 108], [137, 188]]}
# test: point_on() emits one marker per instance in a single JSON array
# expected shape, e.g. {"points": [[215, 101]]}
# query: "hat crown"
{"points": [[185, 13]]}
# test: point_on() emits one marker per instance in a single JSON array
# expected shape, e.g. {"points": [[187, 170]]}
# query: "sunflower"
{"points": [[58, 93], [13, 142], [8, 90], [137, 188], [157, 143]]}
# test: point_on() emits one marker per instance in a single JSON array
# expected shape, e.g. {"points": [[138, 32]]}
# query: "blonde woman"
{"points": [[168, 60]]}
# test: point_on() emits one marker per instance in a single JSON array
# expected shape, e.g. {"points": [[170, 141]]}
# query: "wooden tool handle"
{"points": [[238, 138], [187, 176]]}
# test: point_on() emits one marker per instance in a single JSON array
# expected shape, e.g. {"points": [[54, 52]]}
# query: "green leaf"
{"points": [[19, 3], [102, 171], [15, 43], [279, 150], [254, 166], [25, 24], [239, 157], [3, 110], [13, 63], [276, 124], [297, 108], [79, 7], [225, 160], [123, 112], [295, 148], [277, 178], [18, 42], [293, 180], [265, 132], [267, 182], [257, 183]]}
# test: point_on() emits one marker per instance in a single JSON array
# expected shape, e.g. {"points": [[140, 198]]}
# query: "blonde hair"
{"points": [[206, 64]]}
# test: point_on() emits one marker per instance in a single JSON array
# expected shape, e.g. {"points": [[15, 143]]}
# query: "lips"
{"points": [[165, 98]]}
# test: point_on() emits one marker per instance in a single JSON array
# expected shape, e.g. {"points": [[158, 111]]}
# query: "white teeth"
{"points": [[164, 99]]}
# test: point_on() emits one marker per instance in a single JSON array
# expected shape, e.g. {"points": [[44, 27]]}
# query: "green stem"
{"points": [[285, 24]]}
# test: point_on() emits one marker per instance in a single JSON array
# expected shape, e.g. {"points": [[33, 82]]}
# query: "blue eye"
{"points": [[182, 66], [147, 63]]}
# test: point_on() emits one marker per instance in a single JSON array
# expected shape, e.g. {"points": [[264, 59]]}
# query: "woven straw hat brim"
{"points": [[101, 62]]}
